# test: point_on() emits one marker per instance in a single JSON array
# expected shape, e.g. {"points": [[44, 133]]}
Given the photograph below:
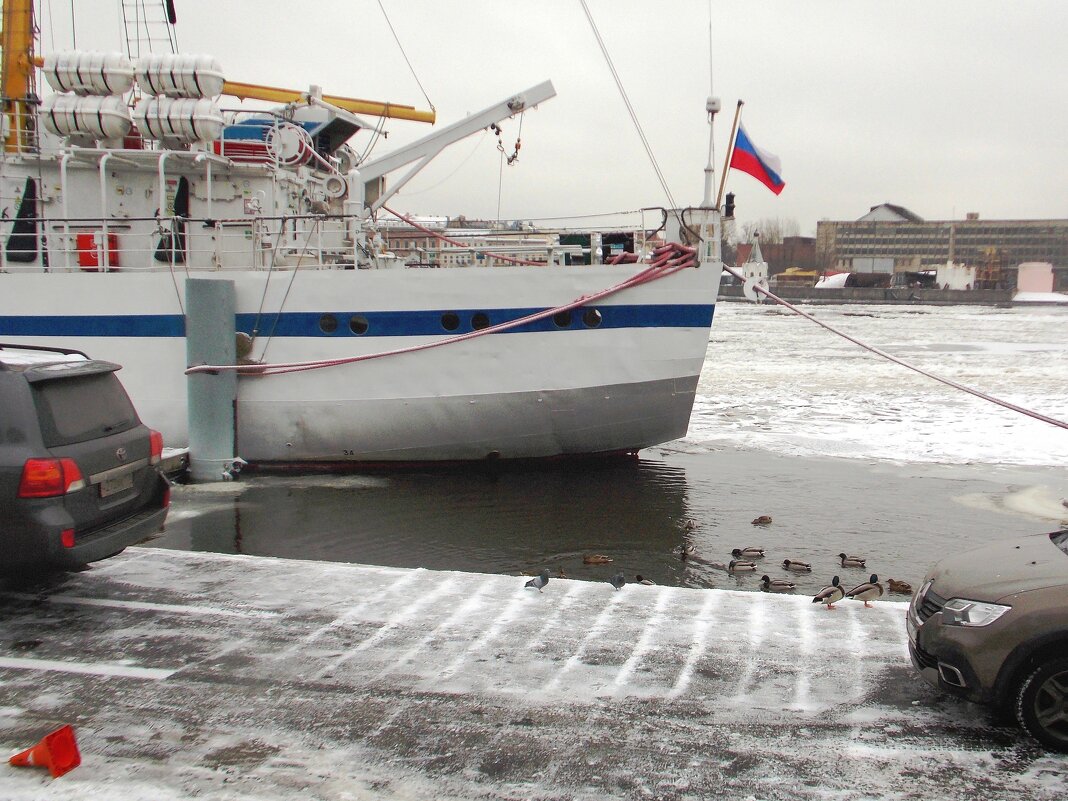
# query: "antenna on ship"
{"points": [[712, 106]]}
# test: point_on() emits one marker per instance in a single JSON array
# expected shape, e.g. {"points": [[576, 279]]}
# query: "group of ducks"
{"points": [[829, 595], [742, 562]]}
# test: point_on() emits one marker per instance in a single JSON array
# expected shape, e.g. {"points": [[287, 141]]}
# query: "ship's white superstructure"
{"points": [[132, 178]]}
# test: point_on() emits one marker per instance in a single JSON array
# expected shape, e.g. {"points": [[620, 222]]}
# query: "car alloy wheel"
{"points": [[1042, 704]]}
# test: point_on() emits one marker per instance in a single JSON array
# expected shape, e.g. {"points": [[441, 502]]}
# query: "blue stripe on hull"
{"points": [[379, 324]]}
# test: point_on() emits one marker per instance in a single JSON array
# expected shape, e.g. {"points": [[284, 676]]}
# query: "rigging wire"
{"points": [[872, 349], [51, 24], [292, 278], [630, 107], [375, 136], [406, 59], [500, 185]]}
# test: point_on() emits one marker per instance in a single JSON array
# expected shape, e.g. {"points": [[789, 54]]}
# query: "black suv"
{"points": [[79, 472]]}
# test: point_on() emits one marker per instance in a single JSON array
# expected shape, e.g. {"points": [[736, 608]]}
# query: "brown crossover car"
{"points": [[991, 625]]}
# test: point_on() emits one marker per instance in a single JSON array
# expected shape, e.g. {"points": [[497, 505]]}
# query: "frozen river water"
{"points": [[846, 452]]}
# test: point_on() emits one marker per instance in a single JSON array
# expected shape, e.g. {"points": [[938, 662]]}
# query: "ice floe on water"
{"points": [[775, 381]]}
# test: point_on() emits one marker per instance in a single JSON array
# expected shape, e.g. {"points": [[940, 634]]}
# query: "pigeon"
{"points": [[750, 552], [777, 585], [829, 594], [852, 561], [796, 566], [539, 580], [865, 592], [643, 580], [617, 581]]}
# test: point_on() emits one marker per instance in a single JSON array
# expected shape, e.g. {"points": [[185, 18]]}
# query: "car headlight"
{"points": [[962, 612]]}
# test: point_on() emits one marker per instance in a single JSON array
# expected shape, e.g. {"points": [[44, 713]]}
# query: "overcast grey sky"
{"points": [[942, 106]]}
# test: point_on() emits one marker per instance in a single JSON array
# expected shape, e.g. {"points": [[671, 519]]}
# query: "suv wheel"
{"points": [[1042, 704]]}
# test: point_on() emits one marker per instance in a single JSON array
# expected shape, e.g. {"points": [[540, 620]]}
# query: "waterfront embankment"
{"points": [[228, 677]]}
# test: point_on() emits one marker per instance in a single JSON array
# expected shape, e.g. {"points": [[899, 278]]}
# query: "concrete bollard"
{"points": [[209, 339]]}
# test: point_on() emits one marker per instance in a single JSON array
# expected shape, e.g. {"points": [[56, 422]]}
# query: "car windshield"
{"points": [[1060, 539], [82, 408]]}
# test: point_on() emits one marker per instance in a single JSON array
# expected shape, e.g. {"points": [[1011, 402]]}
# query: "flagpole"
{"points": [[730, 152]]}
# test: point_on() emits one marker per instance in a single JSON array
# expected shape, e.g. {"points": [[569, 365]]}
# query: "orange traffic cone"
{"points": [[57, 751]]}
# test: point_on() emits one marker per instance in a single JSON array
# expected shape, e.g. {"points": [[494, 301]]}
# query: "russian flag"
{"points": [[761, 164]]}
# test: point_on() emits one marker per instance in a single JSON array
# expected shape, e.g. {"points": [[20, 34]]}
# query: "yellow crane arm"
{"points": [[396, 111]]}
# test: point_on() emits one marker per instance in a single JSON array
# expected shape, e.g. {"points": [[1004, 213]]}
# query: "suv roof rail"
{"points": [[44, 348]]}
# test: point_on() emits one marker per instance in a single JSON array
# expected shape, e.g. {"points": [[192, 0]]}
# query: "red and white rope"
{"points": [[666, 260]]}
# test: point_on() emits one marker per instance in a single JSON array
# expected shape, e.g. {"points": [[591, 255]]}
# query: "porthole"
{"points": [[358, 324], [328, 324], [592, 318], [480, 320], [562, 319], [450, 321]]}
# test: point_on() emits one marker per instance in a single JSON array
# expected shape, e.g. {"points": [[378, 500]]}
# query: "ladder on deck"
{"points": [[149, 27]]}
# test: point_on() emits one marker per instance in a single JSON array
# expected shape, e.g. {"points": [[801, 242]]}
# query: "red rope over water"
{"points": [[948, 382], [666, 260]]}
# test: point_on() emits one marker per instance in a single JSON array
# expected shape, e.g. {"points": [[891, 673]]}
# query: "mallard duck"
{"points": [[899, 586], [750, 552], [763, 520], [690, 525], [852, 561], [560, 573], [866, 591], [596, 559], [643, 580], [777, 585], [741, 566], [796, 565], [828, 595]]}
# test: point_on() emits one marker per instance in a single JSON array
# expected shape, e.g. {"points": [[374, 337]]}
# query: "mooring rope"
{"points": [[666, 260], [871, 348]]}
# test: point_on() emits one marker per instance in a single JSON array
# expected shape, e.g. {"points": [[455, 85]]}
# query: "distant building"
{"points": [[475, 246], [793, 251], [892, 239]]}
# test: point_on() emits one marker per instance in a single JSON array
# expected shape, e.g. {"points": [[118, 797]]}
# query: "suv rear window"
{"points": [[82, 408]]}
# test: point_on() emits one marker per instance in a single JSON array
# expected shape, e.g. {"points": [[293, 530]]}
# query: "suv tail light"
{"points": [[155, 440], [48, 478]]}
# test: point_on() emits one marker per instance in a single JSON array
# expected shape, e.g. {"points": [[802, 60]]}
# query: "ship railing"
{"points": [[155, 244], [161, 244], [19, 124]]}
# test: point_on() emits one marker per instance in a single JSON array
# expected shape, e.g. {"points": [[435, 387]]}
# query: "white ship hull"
{"points": [[626, 384]]}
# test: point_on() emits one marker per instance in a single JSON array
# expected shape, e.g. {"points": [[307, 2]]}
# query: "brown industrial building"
{"points": [[892, 239]]}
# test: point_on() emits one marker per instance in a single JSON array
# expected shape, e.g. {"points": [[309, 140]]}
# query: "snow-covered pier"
{"points": [[219, 677]]}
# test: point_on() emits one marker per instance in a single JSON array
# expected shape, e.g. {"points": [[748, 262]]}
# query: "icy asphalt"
{"points": [[191, 675]]}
